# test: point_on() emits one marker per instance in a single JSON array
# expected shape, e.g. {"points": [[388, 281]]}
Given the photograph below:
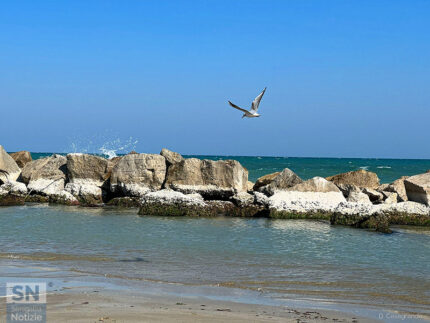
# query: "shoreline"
{"points": [[129, 300], [81, 299]]}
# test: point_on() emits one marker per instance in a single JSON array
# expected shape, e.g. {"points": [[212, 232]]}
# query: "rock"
{"points": [[242, 199], [88, 169], [316, 184], [171, 157], [291, 204], [284, 180], [37, 198], [418, 188], [390, 197], [46, 186], [364, 216], [10, 199], [88, 175], [12, 193], [87, 194], [219, 179], [380, 216], [374, 196], [408, 209], [360, 178], [348, 189], [21, 157], [173, 203], [265, 180], [250, 186], [136, 174], [358, 197], [398, 186], [14, 188], [63, 197], [261, 199], [52, 167], [46, 175], [133, 152], [124, 202], [9, 170]]}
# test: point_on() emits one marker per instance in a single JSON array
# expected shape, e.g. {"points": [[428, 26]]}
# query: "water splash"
{"points": [[111, 149], [100, 145]]}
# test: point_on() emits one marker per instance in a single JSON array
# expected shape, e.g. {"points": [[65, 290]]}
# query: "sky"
{"points": [[344, 78]]}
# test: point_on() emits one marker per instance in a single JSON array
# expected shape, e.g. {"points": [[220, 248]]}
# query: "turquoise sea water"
{"points": [[278, 259], [388, 170]]}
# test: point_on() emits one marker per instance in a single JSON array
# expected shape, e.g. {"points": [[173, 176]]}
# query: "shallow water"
{"points": [[388, 170], [282, 259]]}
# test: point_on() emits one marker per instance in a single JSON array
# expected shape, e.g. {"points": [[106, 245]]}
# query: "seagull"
{"points": [[254, 108]]}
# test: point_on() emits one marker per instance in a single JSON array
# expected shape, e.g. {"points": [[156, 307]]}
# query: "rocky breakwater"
{"points": [[167, 184]]}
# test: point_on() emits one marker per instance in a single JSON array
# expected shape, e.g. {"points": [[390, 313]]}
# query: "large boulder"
{"points": [[265, 180], [358, 197], [213, 179], [418, 188], [374, 196], [316, 184], [281, 181], [137, 174], [9, 170], [87, 176], [293, 204], [174, 203], [360, 215], [12, 193], [45, 176], [21, 158], [380, 216], [84, 168], [14, 188], [398, 186], [171, 156], [360, 178]]}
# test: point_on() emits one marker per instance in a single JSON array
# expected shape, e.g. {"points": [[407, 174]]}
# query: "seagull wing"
{"points": [[236, 107], [257, 100]]}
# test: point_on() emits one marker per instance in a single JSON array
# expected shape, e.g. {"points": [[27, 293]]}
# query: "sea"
{"points": [[296, 263]]}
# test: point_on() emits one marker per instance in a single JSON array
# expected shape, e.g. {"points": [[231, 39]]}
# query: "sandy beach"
{"points": [[95, 305]]}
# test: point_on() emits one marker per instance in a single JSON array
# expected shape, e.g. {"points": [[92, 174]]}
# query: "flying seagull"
{"points": [[254, 108]]}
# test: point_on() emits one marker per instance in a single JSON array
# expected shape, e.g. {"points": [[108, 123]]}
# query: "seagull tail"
{"points": [[244, 115]]}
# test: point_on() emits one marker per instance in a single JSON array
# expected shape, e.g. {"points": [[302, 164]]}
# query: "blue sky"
{"points": [[344, 78]]}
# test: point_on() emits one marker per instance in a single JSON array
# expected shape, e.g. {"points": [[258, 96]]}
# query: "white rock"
{"points": [[132, 189], [390, 197], [46, 186], [83, 189], [14, 187], [169, 197], [243, 199], [358, 197], [350, 208], [303, 202], [408, 207], [67, 196]]}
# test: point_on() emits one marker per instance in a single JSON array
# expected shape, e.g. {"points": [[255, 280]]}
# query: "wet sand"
{"points": [[92, 305]]}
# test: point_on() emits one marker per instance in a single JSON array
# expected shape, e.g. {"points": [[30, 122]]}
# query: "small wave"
{"points": [[383, 167], [364, 167]]}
